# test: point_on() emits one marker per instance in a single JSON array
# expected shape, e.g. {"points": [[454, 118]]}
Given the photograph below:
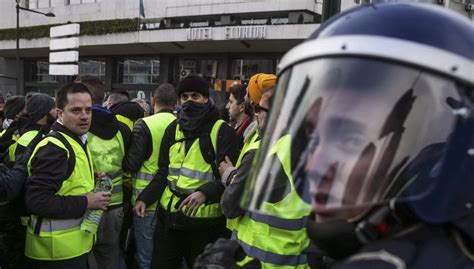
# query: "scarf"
{"points": [[194, 115]]}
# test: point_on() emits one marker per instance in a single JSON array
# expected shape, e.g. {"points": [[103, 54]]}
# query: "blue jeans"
{"points": [[143, 231]]}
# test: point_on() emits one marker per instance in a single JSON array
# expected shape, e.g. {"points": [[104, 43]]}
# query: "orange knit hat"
{"points": [[258, 83]]}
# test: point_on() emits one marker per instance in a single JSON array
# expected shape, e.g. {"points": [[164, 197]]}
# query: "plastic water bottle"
{"points": [[92, 218]]}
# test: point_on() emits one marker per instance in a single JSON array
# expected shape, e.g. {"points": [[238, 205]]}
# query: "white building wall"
{"points": [[119, 9]]}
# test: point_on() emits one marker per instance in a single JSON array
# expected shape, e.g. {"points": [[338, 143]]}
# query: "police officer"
{"points": [[59, 188], [187, 184], [388, 137]]}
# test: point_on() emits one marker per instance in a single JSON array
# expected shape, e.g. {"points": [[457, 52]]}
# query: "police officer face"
{"points": [[339, 164], [76, 115]]}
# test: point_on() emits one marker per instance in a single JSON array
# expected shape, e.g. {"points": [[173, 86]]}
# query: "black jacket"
{"points": [[141, 145], [48, 171], [12, 180], [131, 110], [422, 247]]}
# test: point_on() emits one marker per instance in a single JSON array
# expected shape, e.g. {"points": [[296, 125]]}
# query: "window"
{"points": [[31, 4], [38, 71], [36, 4], [245, 68], [138, 71], [92, 68], [78, 2]]}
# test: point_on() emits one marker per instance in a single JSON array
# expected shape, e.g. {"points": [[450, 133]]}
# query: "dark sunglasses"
{"points": [[259, 109]]}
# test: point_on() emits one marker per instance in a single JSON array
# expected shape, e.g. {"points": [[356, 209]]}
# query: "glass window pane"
{"points": [[138, 71], [31, 4], [92, 68], [43, 72], [44, 3], [245, 68]]}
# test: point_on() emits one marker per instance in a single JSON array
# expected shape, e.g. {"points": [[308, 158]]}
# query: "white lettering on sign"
{"points": [[245, 32], [199, 33]]}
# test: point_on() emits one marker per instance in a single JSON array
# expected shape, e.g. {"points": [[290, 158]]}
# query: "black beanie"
{"points": [[193, 83], [14, 105], [38, 106]]}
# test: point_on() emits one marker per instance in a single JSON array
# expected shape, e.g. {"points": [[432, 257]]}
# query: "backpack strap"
{"points": [[207, 150], [71, 161]]}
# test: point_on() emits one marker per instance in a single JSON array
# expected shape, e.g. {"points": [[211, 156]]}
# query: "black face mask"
{"points": [[192, 114]]}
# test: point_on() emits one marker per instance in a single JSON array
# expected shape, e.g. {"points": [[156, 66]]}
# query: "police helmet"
{"points": [[376, 106]]}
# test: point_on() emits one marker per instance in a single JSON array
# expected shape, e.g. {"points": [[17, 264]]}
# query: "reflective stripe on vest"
{"points": [[107, 157], [277, 234], [144, 176], [205, 176], [63, 239], [173, 186], [284, 224], [55, 225], [270, 257], [188, 171], [157, 125]]}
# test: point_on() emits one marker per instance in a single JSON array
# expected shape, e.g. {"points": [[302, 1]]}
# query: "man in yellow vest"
{"points": [[187, 184], [235, 178], [40, 113], [271, 237], [60, 187], [13, 110], [142, 161], [107, 139], [126, 111]]}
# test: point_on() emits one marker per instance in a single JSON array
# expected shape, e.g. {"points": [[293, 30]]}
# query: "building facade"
{"points": [[137, 44]]}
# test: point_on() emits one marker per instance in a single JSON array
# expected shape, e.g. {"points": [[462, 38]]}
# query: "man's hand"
{"points": [[139, 209], [225, 165], [98, 200], [192, 203]]}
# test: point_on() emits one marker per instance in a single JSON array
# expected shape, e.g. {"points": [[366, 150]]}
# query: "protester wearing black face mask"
{"points": [[187, 186]]}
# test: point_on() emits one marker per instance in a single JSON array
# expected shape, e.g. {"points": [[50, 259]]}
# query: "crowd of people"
{"points": [[360, 156]]}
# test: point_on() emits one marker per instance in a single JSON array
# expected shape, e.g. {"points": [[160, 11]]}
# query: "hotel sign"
{"points": [[199, 33], [226, 33], [245, 32]]}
